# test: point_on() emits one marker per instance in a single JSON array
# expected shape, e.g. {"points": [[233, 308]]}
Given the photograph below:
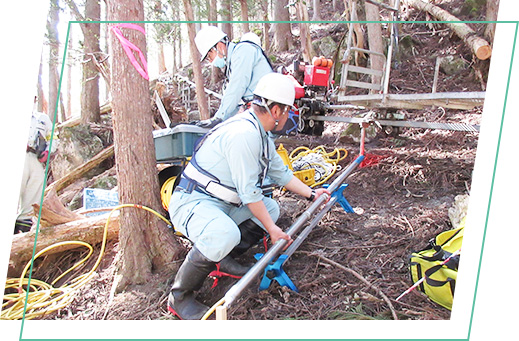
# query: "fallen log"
{"points": [[89, 230], [480, 47], [81, 170]]}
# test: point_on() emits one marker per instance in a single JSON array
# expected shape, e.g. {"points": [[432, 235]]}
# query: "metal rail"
{"points": [[398, 123], [235, 291]]}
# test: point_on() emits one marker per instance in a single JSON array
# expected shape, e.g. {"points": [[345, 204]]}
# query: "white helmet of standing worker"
{"points": [[277, 88], [252, 37], [207, 38]]}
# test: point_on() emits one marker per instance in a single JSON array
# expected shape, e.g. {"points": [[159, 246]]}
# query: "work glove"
{"points": [[210, 123]]}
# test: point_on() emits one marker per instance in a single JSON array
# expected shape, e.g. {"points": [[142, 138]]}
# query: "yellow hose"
{"points": [[43, 298], [333, 158], [213, 308]]}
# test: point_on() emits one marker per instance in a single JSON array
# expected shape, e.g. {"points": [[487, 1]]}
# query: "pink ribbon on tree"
{"points": [[130, 48]]}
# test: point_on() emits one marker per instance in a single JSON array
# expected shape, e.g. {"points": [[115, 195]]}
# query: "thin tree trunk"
{"points": [[146, 243], [52, 29], [244, 15], [480, 47], [90, 92], [317, 10], [306, 40], [41, 105], [197, 68], [226, 10], [161, 61], [68, 111], [374, 41], [282, 33], [266, 26], [491, 15]]}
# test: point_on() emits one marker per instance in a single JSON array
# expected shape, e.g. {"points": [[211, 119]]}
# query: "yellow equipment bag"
{"points": [[440, 279]]}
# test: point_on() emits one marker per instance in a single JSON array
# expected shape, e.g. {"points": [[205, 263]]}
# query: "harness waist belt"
{"points": [[211, 186]]}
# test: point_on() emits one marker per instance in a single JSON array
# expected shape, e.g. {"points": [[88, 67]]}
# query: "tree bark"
{"points": [[52, 29], [282, 33], [491, 15], [374, 41], [146, 243], [480, 47], [197, 68], [317, 10], [266, 26], [244, 15], [91, 47], [89, 230], [226, 10], [304, 35]]}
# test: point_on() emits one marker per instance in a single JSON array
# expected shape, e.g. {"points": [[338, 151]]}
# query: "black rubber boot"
{"points": [[230, 266], [189, 279], [251, 234]]}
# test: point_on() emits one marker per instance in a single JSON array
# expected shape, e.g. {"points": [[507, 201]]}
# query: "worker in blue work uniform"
{"points": [[244, 63], [218, 203]]}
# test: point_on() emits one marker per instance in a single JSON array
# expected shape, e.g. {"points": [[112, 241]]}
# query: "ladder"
{"points": [[347, 67]]}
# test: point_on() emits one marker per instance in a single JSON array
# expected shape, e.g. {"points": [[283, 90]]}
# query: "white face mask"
{"points": [[218, 62]]}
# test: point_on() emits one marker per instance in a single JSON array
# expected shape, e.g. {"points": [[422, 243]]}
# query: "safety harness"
{"points": [[195, 178]]}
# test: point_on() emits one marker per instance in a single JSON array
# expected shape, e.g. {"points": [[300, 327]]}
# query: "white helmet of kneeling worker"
{"points": [[276, 88], [207, 38]]}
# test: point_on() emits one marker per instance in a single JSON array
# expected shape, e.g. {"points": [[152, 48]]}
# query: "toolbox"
{"points": [[177, 142]]}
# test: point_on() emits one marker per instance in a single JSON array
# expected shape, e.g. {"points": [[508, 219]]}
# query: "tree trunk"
{"points": [[161, 61], [491, 15], [42, 103], [266, 26], [212, 15], [70, 62], [480, 47], [197, 68], [226, 10], [244, 15], [282, 33], [90, 92], [374, 41], [91, 47], [317, 10], [52, 29], [304, 35], [146, 243]]}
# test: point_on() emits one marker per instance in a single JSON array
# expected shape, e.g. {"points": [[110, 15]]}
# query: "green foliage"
{"points": [[473, 8]]}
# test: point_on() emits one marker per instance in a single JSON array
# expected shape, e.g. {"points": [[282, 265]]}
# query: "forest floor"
{"points": [[400, 203]]}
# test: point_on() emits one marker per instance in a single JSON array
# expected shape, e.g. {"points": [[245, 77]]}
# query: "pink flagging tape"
{"points": [[129, 48]]}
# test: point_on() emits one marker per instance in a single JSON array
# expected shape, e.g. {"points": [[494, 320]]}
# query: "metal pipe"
{"points": [[236, 290]]}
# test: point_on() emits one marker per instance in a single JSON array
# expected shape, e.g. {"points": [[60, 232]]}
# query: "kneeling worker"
{"points": [[218, 203]]}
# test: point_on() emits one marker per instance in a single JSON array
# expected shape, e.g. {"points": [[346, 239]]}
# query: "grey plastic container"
{"points": [[177, 142]]}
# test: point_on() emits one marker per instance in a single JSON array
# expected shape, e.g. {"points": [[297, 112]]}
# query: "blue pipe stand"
{"points": [[274, 271]]}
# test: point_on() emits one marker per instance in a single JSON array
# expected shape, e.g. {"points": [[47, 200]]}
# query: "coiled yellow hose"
{"points": [[331, 158], [42, 298]]}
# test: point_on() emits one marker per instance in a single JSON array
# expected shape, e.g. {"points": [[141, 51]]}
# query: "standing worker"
{"points": [[33, 175], [218, 203], [245, 61]]}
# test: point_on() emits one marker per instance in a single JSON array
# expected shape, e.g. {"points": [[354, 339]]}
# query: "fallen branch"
{"points": [[60, 184], [356, 274], [480, 47]]}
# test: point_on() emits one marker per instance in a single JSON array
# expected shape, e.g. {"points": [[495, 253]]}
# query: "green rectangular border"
{"points": [[320, 22]]}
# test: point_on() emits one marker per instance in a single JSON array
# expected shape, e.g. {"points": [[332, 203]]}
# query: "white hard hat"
{"points": [[277, 88], [252, 37], [208, 37]]}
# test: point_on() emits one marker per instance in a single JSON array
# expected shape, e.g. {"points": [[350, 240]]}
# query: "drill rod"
{"points": [[236, 290]]}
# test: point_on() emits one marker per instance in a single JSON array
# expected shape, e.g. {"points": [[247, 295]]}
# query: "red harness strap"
{"points": [[217, 274]]}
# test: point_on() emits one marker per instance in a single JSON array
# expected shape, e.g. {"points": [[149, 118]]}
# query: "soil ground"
{"points": [[400, 203]]}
